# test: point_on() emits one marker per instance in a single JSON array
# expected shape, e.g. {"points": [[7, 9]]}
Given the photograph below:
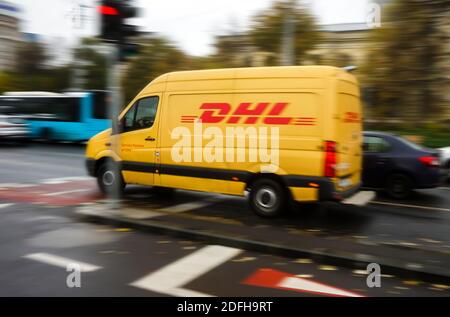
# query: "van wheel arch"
{"points": [[99, 163], [102, 161], [255, 177]]}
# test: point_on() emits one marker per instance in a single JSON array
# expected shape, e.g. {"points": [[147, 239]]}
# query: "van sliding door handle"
{"points": [[150, 139]]}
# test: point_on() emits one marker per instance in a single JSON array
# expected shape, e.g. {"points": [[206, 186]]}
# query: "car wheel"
{"points": [[109, 179], [267, 198], [447, 167], [399, 186]]}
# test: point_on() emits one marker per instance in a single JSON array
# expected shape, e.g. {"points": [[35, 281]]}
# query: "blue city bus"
{"points": [[73, 116]]}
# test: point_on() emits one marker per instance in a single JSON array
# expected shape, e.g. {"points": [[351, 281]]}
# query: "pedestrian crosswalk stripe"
{"points": [[170, 279]]}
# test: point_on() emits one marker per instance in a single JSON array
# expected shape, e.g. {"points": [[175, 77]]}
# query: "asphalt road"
{"points": [[41, 186]]}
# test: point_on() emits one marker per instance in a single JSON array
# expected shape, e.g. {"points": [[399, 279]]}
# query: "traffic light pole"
{"points": [[115, 31], [115, 105]]}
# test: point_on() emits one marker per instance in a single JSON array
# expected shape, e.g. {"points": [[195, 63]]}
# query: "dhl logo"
{"points": [[352, 117], [247, 113]]}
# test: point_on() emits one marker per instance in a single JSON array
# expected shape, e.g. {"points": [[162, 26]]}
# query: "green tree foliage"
{"points": [[31, 58], [32, 72], [96, 72], [403, 72], [267, 30], [232, 50]]}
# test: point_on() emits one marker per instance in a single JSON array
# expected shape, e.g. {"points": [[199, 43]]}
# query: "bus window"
{"points": [[48, 109], [100, 109]]}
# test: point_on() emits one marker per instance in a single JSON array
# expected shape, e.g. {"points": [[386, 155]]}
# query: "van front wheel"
{"points": [[267, 198], [110, 180]]}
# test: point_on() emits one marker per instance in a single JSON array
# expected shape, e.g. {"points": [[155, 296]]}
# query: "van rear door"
{"points": [[349, 139]]}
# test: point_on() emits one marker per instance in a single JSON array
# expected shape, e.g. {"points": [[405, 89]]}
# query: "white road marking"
{"points": [[59, 261], [5, 205], [311, 286], [446, 188], [171, 278], [66, 192], [14, 185], [360, 199], [189, 206], [50, 181], [409, 206], [62, 180], [103, 207]]}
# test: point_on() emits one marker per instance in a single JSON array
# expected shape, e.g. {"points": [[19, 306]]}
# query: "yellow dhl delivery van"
{"points": [[274, 134]]}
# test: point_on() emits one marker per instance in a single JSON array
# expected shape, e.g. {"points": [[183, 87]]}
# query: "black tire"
{"points": [[447, 167], [267, 198], [399, 186], [47, 135], [109, 180]]}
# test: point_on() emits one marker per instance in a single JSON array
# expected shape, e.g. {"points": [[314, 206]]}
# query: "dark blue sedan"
{"points": [[398, 165]]}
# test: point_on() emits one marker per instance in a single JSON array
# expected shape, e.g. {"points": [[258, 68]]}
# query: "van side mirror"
{"points": [[117, 127]]}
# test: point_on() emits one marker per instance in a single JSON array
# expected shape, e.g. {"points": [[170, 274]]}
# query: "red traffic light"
{"points": [[106, 10]]}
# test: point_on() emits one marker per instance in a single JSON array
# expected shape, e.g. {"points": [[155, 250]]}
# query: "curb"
{"points": [[348, 260]]}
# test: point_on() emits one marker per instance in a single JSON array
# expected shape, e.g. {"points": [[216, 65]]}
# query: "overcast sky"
{"points": [[190, 24]]}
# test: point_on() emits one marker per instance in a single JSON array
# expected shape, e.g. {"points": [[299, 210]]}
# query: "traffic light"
{"points": [[114, 26], [110, 20]]}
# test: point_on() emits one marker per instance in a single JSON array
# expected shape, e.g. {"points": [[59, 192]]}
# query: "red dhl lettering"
{"points": [[247, 113], [352, 117]]}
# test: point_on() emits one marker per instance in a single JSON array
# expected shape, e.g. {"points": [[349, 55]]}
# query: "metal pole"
{"points": [[115, 106], [287, 45]]}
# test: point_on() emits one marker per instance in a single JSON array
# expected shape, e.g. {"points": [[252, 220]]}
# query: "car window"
{"points": [[142, 115], [375, 145], [411, 144]]}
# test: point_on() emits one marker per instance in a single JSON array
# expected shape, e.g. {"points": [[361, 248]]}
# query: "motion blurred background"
{"points": [[401, 49]]}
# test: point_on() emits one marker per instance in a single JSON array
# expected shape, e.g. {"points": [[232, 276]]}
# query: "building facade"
{"points": [[10, 35], [342, 45]]}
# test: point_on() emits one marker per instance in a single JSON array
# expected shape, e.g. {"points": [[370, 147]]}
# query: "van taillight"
{"points": [[429, 160], [330, 159]]}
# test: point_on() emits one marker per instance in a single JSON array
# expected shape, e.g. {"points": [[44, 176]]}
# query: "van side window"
{"points": [[142, 115]]}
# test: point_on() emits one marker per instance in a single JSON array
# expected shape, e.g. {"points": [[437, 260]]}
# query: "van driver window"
{"points": [[146, 112], [128, 121], [142, 115]]}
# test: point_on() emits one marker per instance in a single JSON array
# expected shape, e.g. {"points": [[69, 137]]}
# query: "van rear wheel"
{"points": [[267, 198], [109, 179]]}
